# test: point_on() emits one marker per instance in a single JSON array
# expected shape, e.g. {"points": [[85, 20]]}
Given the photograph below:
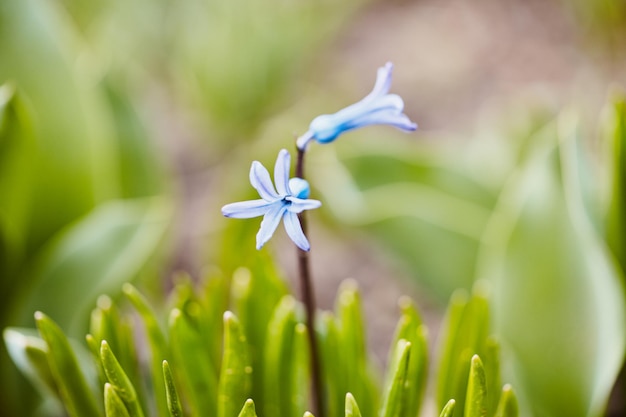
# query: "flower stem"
{"points": [[308, 297]]}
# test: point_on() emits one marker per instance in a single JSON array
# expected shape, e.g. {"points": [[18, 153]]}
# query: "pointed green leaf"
{"points": [[394, 403], [450, 352], [448, 409], [280, 334], [248, 409], [352, 408], [507, 406], [75, 393], [214, 300], [353, 347], [411, 329], [476, 398], [255, 312], [465, 334], [333, 371], [108, 324], [491, 364], [30, 354], [193, 366], [157, 342], [173, 401], [236, 373], [113, 404], [300, 371], [119, 381]]}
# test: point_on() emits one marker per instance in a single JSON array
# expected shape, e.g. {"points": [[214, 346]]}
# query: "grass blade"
{"points": [[75, 393], [173, 401]]}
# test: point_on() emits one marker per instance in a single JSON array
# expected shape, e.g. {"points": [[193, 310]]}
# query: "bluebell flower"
{"points": [[377, 108], [290, 197]]}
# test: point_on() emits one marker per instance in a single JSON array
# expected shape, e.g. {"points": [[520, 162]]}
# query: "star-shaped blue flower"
{"points": [[378, 107], [289, 198]]}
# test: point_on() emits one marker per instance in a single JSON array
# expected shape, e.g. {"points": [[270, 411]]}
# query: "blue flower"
{"points": [[290, 197], [378, 107]]}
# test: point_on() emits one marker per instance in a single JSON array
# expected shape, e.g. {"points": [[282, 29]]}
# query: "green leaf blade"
{"points": [[77, 397]]}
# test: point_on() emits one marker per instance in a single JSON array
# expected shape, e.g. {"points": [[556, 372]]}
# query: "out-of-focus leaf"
{"points": [[411, 329], [394, 400], [30, 354], [158, 346], [141, 173], [422, 201], [476, 398], [197, 376], [448, 409], [113, 404], [554, 282], [248, 409], [173, 401], [615, 136], [235, 376], [214, 300], [280, 335], [95, 255], [507, 407], [352, 408], [254, 297], [239, 99], [119, 381], [74, 157], [333, 372], [17, 145], [464, 334], [107, 323], [73, 388], [353, 349], [603, 22], [299, 380]]}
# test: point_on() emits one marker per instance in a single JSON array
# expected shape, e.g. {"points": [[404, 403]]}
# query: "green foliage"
{"points": [[84, 204], [540, 219], [615, 137], [469, 367], [183, 379], [69, 378], [425, 199], [555, 280]]}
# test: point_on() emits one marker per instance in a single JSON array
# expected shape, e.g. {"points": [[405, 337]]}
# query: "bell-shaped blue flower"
{"points": [[377, 108], [289, 198]]}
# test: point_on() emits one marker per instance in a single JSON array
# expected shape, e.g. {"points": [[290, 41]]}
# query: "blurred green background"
{"points": [[125, 126]]}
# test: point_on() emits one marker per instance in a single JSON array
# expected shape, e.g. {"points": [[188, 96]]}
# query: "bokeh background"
{"points": [[125, 126]]}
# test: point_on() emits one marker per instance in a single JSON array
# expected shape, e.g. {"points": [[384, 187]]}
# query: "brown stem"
{"points": [[308, 297]]}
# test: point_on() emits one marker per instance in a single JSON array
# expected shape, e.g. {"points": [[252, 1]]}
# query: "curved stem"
{"points": [[308, 298]]}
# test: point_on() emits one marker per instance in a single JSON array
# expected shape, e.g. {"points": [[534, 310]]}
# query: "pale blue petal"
{"points": [[281, 172], [261, 181], [390, 102], [327, 127], [400, 121], [299, 188], [246, 209], [383, 82], [270, 222], [294, 230], [298, 205]]}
